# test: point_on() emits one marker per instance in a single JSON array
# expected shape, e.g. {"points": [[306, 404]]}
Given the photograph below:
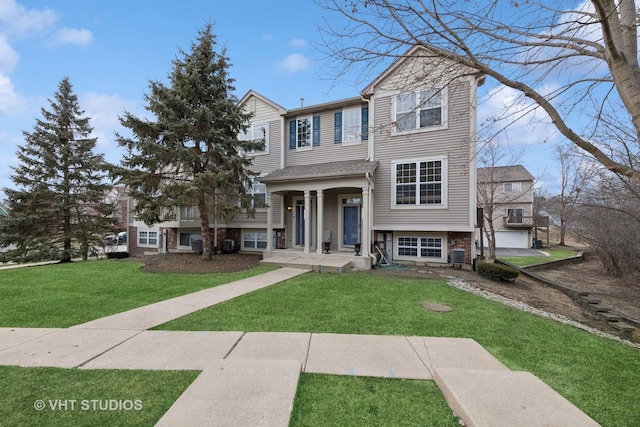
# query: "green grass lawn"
{"points": [[142, 397], [600, 376], [332, 400], [63, 295], [554, 254]]}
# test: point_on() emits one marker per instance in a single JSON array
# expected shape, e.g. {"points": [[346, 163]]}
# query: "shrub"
{"points": [[497, 272], [117, 255]]}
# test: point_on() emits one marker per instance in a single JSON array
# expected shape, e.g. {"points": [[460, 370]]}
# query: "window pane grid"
{"points": [[351, 127], [254, 240], [408, 246], [428, 184], [418, 110], [304, 132]]}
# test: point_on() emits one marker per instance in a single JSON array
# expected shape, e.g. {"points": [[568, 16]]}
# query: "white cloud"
{"points": [[11, 102], [19, 21], [103, 111], [8, 56], [506, 110], [298, 43], [294, 63], [81, 37]]}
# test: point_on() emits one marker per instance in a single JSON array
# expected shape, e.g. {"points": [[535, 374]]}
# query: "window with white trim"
{"points": [[512, 187], [304, 132], [147, 238], [258, 193], [251, 240], [420, 247], [352, 125], [419, 183], [420, 109], [257, 132]]}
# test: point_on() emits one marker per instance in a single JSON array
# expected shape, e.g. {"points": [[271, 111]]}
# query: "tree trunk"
{"points": [[204, 229], [490, 233], [563, 229]]}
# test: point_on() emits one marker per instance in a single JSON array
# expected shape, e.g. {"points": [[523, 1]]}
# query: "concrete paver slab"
{"points": [[238, 393], [168, 350], [365, 355], [507, 399], [142, 318], [10, 337], [454, 353], [208, 297], [66, 348], [272, 346], [146, 317]]}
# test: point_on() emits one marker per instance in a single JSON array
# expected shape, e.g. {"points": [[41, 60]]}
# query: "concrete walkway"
{"points": [[250, 379]]}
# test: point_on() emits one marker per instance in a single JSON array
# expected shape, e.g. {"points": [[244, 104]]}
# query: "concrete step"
{"points": [[597, 308], [506, 399], [238, 393], [609, 317], [310, 262], [590, 300], [623, 327]]}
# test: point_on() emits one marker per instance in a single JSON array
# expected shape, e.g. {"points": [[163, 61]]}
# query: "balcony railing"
{"points": [[523, 221], [181, 214]]}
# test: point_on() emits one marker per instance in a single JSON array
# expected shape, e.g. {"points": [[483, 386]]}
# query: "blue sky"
{"points": [[111, 49]]}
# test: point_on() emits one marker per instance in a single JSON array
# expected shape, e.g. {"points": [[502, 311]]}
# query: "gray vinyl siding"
{"points": [[265, 163], [260, 218], [451, 143], [327, 151]]}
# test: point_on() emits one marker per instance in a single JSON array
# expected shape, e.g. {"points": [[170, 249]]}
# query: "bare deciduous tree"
{"points": [[572, 63], [575, 177]]}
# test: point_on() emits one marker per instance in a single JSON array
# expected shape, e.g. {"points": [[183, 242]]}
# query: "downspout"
{"points": [[282, 147]]}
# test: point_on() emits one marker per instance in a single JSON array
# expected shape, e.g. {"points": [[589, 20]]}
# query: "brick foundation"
{"points": [[463, 241]]}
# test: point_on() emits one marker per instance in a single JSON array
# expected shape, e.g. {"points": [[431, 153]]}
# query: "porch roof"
{"points": [[321, 171]]}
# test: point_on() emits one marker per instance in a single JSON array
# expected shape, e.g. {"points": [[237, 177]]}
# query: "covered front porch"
{"points": [[325, 212]]}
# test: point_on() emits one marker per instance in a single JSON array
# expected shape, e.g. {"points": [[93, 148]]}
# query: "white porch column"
{"points": [[320, 220], [307, 221], [269, 201], [366, 232]]}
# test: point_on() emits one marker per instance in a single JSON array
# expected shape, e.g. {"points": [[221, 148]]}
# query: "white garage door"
{"points": [[512, 239]]}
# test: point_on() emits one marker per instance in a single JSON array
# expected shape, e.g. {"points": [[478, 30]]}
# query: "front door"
{"points": [[350, 221]]}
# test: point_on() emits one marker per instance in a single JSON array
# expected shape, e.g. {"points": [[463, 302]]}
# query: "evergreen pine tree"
{"points": [[58, 207], [190, 154]]}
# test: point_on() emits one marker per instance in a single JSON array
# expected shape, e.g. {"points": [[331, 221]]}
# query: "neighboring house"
{"points": [[393, 168], [509, 190], [118, 197]]}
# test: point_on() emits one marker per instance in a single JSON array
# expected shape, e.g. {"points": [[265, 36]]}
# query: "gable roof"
{"points": [[504, 174], [251, 92], [402, 59]]}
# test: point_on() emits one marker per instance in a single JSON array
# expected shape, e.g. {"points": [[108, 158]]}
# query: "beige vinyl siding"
{"points": [[265, 163], [260, 219], [451, 144], [331, 207], [328, 151], [260, 109]]}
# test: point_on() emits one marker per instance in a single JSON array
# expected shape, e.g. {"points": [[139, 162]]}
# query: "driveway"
{"points": [[516, 252]]}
